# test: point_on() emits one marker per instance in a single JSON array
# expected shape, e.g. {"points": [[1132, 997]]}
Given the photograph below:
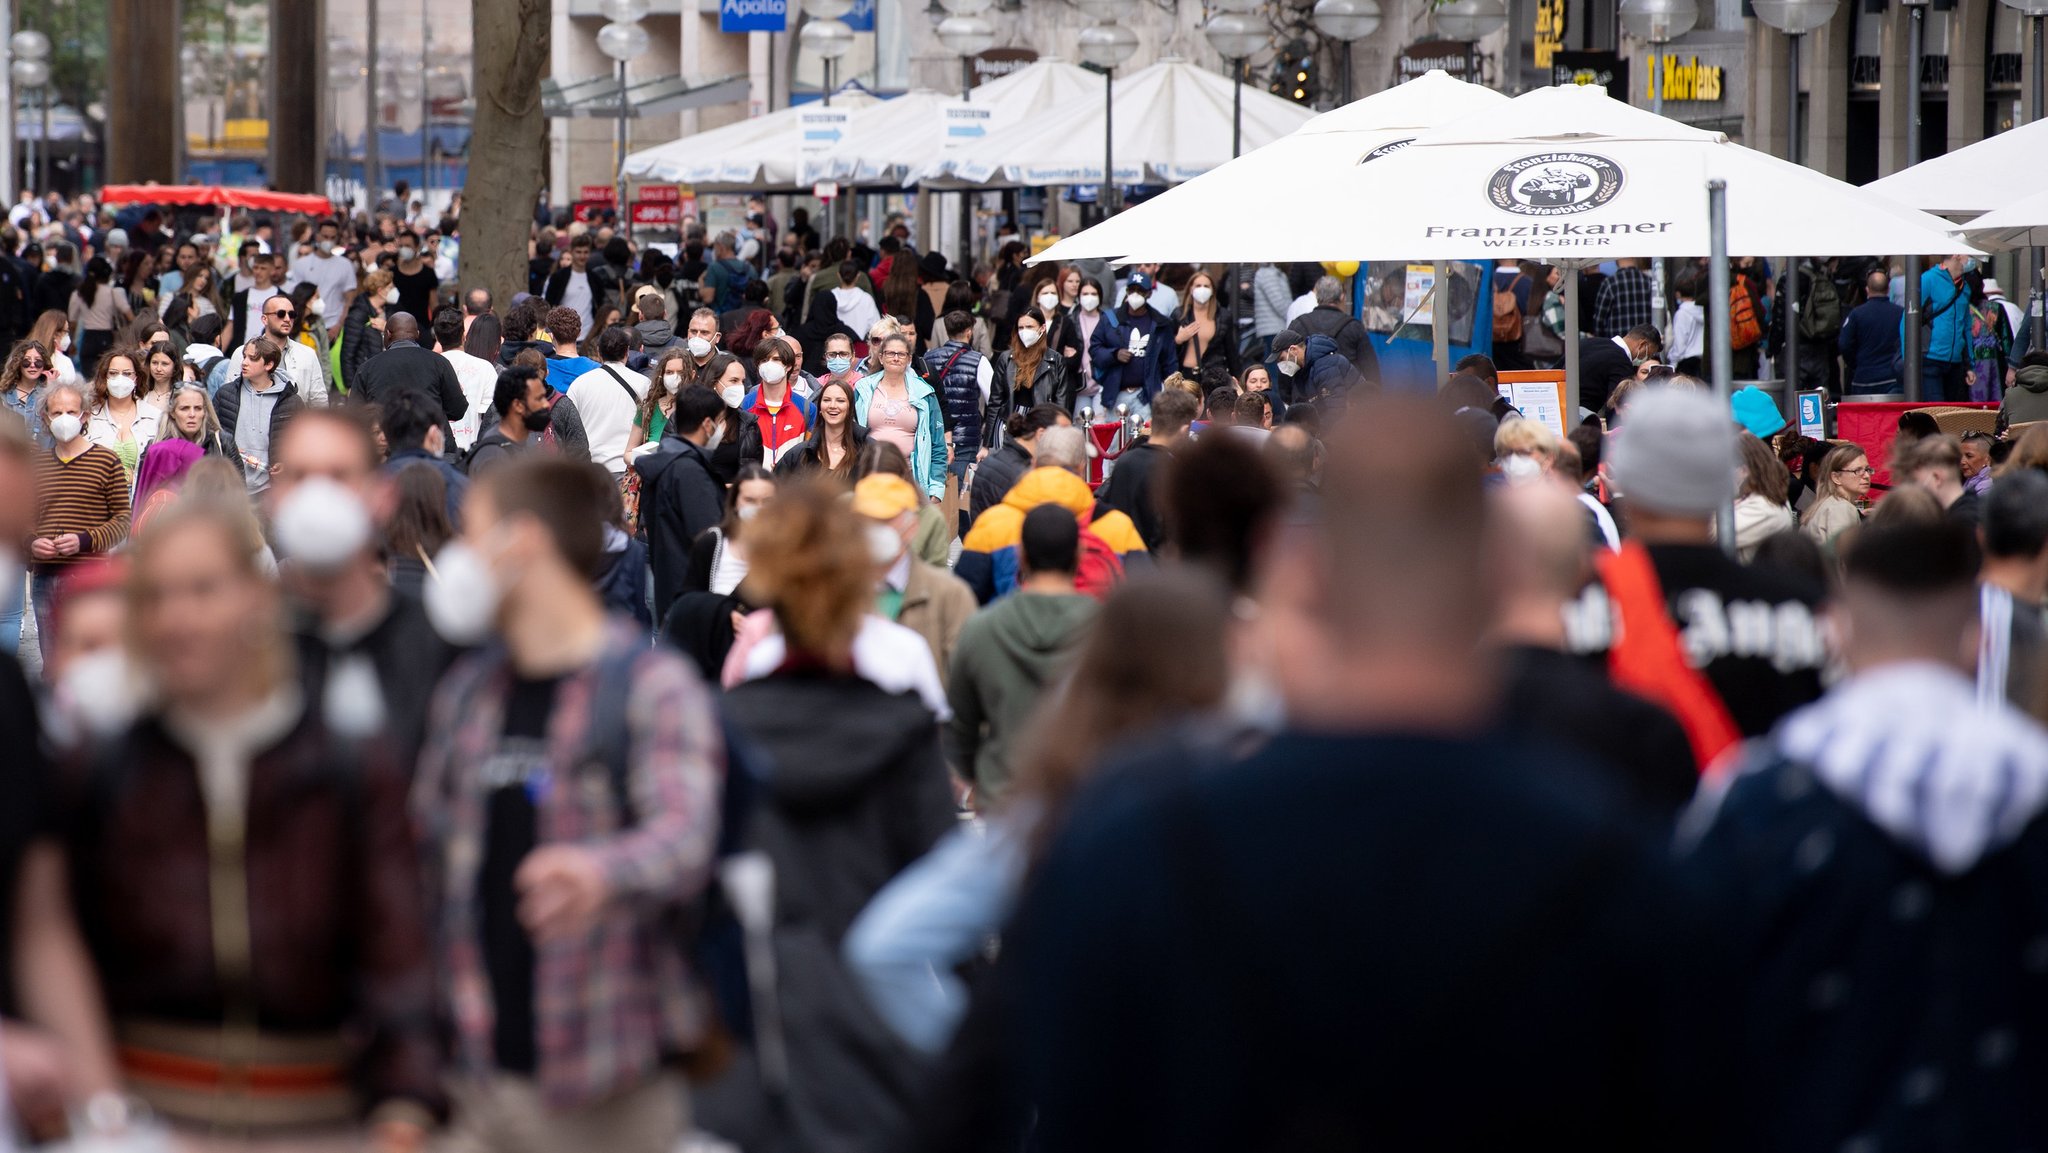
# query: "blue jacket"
{"points": [[928, 463], [1145, 372], [1870, 341], [1948, 332]]}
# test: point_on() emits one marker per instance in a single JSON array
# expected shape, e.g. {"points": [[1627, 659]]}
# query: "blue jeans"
{"points": [[1942, 381], [13, 600], [42, 589]]}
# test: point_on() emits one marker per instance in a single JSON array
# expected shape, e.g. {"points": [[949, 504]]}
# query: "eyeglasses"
{"points": [[895, 354], [1866, 470]]}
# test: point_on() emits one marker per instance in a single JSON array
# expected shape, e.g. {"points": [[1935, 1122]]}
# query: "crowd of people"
{"points": [[732, 694]]}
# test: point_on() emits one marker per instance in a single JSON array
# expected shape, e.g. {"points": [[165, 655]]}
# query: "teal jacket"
{"points": [[928, 463]]}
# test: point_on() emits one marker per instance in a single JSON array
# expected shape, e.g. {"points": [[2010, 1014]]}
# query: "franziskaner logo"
{"points": [[1554, 184]]}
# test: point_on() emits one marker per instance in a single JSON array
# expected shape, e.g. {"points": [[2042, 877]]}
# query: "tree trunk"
{"points": [[507, 144]]}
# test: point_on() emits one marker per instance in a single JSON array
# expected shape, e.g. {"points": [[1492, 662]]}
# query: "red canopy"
{"points": [[207, 194]]}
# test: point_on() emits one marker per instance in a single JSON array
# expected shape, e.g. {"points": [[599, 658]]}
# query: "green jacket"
{"points": [[1006, 656]]}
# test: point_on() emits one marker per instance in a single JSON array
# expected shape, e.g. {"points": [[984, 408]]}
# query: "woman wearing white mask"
{"points": [[53, 332], [81, 499], [1206, 332], [726, 375], [718, 558], [116, 418], [1027, 372], [362, 333], [1072, 336], [670, 373]]}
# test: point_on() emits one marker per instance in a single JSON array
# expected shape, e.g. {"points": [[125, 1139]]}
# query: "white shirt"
{"points": [[607, 411], [479, 380], [334, 276], [1302, 306], [887, 654], [1688, 331], [100, 428], [252, 320], [300, 365], [576, 295]]}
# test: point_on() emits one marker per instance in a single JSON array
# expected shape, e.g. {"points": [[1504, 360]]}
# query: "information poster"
{"points": [[1418, 298], [1540, 394]]}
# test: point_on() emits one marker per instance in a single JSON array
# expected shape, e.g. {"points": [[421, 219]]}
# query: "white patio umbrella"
{"points": [[892, 139], [757, 152], [1172, 123], [1556, 174], [1271, 178], [1994, 172], [2020, 224]]}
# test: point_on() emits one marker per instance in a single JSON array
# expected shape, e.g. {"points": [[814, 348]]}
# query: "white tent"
{"points": [[1271, 178], [1171, 120], [1990, 174], [1558, 174], [757, 152], [892, 139]]}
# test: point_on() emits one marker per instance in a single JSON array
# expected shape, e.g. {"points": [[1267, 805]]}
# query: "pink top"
{"points": [[898, 427]]}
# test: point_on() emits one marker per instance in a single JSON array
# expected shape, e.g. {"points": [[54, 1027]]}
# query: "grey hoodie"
{"points": [[1006, 656], [659, 335]]}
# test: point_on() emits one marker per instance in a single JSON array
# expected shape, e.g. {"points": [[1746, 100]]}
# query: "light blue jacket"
{"points": [[906, 945], [928, 463], [1948, 334]]}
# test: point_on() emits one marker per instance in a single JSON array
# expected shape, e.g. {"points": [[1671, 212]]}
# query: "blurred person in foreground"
{"points": [[857, 791], [368, 655], [569, 802], [1556, 695], [2013, 642], [924, 598], [1109, 538], [1179, 982], [244, 877], [1881, 853]]}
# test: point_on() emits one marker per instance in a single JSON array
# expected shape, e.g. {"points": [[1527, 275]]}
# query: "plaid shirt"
{"points": [[1624, 302], [609, 1006]]}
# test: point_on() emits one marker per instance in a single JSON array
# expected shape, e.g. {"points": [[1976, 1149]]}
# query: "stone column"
{"points": [[1763, 113], [1895, 73], [298, 84], [143, 134], [1826, 80], [1968, 72]]}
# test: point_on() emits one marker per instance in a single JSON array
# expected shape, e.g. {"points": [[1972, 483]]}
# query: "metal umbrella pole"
{"points": [[1570, 268], [1789, 402], [1717, 333], [1915, 340]]}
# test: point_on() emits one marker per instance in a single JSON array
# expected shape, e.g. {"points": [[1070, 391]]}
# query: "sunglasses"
{"points": [[287, 313], [32, 366]]}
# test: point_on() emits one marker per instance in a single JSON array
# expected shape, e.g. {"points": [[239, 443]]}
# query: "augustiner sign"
{"points": [[1686, 79]]}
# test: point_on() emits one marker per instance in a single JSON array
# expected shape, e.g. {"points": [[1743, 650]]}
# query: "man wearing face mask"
{"points": [[325, 264], [1945, 319], [923, 598], [367, 652], [678, 497], [526, 405], [1131, 356], [556, 899], [702, 336], [1604, 362]]}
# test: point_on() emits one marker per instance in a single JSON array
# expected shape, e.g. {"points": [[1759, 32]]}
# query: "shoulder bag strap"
{"points": [[613, 373]]}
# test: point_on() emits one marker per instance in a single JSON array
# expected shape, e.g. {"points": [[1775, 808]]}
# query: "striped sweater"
{"points": [[87, 495]]}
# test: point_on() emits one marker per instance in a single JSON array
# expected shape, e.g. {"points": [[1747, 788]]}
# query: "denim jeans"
{"points": [[13, 600], [1942, 381], [42, 589]]}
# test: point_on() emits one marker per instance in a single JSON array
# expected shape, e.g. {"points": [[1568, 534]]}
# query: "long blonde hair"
{"points": [[1824, 486]]}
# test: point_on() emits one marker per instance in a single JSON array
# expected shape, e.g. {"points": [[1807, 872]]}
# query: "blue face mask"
{"points": [[1969, 265], [838, 364]]}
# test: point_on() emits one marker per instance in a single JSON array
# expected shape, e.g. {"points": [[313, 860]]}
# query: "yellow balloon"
{"points": [[1341, 267]]}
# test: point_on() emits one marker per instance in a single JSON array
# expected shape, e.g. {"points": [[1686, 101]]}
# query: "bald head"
{"points": [[1543, 542], [402, 326], [1403, 531]]}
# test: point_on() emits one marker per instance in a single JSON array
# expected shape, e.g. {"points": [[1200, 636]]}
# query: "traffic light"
{"points": [[1294, 74]]}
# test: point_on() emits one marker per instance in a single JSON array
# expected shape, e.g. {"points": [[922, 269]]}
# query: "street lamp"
{"points": [[966, 33], [1235, 36], [2037, 12], [30, 69], [1106, 46], [1659, 22], [1795, 18], [623, 39], [826, 36], [344, 72], [1471, 21], [1346, 21]]}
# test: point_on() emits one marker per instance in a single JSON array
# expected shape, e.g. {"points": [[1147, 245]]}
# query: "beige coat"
{"points": [[936, 605]]}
